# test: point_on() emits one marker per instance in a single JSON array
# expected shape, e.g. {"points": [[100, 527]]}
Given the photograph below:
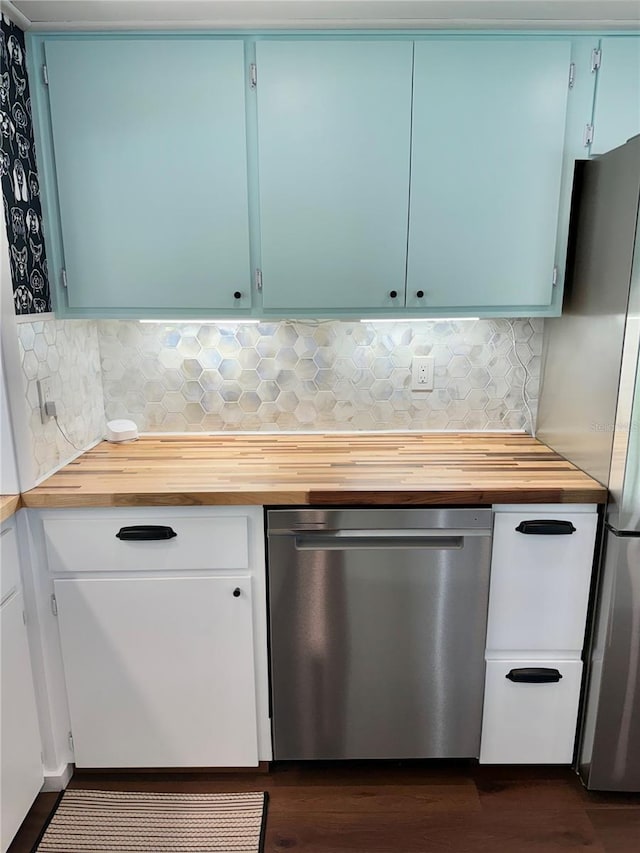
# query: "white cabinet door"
{"points": [[20, 749], [525, 722], [540, 577], [159, 671]]}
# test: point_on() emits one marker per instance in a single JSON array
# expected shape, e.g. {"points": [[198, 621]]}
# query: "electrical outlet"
{"points": [[45, 395], [422, 373]]}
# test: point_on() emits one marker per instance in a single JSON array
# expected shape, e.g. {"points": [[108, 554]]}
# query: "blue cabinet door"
{"points": [[334, 127], [488, 138], [616, 115], [150, 155]]}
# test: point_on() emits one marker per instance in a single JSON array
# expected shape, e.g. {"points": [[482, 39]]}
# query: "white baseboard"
{"points": [[58, 779]]}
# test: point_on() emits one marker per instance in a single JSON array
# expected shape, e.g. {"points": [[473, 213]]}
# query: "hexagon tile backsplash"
{"points": [[320, 375], [67, 351]]}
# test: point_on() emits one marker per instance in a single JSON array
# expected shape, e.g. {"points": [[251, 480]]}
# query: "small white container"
{"points": [[121, 430]]}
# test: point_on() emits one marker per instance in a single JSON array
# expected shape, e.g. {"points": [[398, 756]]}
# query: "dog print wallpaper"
{"points": [[20, 187]]}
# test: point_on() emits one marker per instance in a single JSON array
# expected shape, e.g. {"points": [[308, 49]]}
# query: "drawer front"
{"points": [[529, 723], [540, 581], [9, 561], [84, 544]]}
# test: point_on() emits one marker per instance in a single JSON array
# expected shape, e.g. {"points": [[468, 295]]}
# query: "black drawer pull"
{"points": [[534, 675], [145, 533], [546, 527]]}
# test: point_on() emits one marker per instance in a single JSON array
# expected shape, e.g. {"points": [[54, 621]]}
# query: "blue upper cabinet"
{"points": [[616, 116], [334, 135], [150, 156], [487, 155]]}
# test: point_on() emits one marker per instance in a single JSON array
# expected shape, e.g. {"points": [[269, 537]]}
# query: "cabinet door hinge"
{"points": [[24, 618], [258, 279], [572, 75], [554, 277], [63, 277], [588, 135], [54, 605], [596, 59], [253, 75], [45, 75], [71, 741]]}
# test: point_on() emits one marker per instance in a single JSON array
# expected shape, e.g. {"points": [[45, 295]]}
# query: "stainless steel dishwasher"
{"points": [[378, 623]]}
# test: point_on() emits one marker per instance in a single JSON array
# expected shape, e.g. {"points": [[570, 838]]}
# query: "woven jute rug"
{"points": [[123, 822]]}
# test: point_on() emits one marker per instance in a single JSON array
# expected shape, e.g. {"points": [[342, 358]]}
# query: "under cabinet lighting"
{"points": [[205, 322], [419, 319]]}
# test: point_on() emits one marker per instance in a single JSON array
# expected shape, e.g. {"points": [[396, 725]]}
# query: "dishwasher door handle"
{"points": [[333, 542]]}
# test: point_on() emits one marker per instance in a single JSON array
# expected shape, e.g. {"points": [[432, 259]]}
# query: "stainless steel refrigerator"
{"points": [[590, 413]]}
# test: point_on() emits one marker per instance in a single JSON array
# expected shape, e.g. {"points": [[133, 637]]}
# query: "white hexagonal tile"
{"points": [[174, 422], [475, 420], [208, 336], [232, 414], [268, 414], [135, 402], [210, 359], [30, 365], [285, 335], [191, 368], [268, 391], [212, 402], [248, 359], [287, 358], [381, 389], [173, 402], [170, 358], [247, 336], [458, 388], [193, 413], [477, 399], [249, 401], [129, 334], [40, 347], [154, 391], [154, 415], [228, 345], [229, 369], [211, 380], [212, 422], [188, 347], [230, 392], [287, 401]]}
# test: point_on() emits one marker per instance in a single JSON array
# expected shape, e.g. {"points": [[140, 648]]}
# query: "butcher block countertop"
{"points": [[8, 505], [311, 469]]}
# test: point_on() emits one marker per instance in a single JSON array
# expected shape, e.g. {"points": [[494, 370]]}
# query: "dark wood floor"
{"points": [[404, 808]]}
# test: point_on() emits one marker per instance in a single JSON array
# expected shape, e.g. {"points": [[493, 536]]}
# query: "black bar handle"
{"points": [[546, 527], [534, 675], [145, 533]]}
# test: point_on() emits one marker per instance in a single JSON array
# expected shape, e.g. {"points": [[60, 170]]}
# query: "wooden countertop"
{"points": [[306, 469], [8, 505]]}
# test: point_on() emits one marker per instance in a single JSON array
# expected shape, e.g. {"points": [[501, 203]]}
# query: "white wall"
{"points": [[9, 483]]}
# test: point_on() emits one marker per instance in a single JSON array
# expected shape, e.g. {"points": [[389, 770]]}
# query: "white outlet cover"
{"points": [[45, 395], [422, 369]]}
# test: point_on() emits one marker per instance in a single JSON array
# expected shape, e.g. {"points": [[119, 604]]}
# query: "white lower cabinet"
{"points": [[20, 747], [159, 671], [541, 566], [162, 634], [540, 576], [527, 722]]}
